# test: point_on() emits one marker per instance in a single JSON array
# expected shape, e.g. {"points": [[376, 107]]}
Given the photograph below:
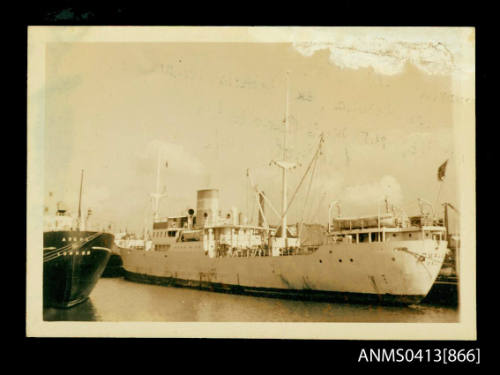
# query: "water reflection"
{"points": [[117, 299], [84, 311]]}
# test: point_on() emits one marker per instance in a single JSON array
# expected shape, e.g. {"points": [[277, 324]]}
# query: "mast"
{"points": [[446, 219], [80, 203], [157, 195], [284, 184], [285, 165]]}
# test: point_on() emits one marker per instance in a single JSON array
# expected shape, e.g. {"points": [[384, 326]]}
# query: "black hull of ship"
{"points": [[305, 295], [444, 292], [69, 278], [114, 268]]}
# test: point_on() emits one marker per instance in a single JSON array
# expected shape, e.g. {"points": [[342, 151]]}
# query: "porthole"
{"points": [[351, 260], [340, 260]]}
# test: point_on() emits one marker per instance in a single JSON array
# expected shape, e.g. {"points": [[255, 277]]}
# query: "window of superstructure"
{"points": [[363, 237]]}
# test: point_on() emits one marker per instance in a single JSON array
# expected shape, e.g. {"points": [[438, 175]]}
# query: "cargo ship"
{"points": [[370, 259], [73, 258], [386, 258]]}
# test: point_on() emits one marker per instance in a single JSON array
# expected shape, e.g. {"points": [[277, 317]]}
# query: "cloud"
{"points": [[373, 193], [387, 50]]}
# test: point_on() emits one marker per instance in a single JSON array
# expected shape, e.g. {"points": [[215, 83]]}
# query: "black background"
{"points": [[240, 355]]}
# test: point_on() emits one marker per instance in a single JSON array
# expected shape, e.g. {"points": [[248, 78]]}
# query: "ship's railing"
{"points": [[223, 250], [249, 241]]}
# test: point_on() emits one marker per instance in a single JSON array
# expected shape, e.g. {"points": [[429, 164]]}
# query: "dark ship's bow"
{"points": [[73, 263]]}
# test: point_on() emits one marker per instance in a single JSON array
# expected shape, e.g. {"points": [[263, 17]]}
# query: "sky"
{"points": [[386, 106]]}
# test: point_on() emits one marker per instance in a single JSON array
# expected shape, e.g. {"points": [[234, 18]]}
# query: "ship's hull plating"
{"points": [[70, 277], [114, 268], [399, 272]]}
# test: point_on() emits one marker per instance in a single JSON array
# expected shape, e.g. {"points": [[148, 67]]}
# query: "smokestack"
{"points": [[262, 204], [207, 210]]}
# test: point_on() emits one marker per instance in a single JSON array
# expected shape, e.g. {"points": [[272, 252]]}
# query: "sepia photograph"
{"points": [[251, 182]]}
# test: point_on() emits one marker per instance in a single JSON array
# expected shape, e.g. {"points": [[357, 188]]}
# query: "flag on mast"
{"points": [[442, 171]]}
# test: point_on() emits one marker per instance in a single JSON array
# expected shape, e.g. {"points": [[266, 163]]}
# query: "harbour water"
{"points": [[116, 299]]}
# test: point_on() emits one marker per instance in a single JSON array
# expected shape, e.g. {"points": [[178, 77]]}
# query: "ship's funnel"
{"points": [[207, 207]]}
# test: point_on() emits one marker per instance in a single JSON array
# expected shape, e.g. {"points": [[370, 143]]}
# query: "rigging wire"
{"points": [[313, 160], [307, 195]]}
